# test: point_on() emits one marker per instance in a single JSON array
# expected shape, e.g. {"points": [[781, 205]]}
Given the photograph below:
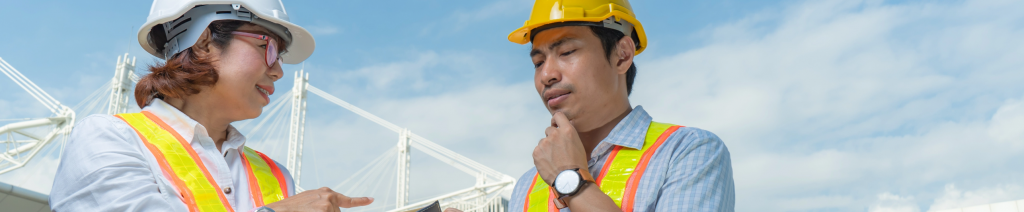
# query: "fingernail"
{"points": [[371, 199]]}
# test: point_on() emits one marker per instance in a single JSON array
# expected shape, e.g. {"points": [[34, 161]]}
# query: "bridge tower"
{"points": [[121, 85], [297, 127]]}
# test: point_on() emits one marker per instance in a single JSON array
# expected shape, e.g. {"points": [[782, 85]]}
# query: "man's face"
{"points": [[574, 76]]}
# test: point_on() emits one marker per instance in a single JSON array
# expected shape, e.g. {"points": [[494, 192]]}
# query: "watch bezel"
{"points": [[579, 179]]}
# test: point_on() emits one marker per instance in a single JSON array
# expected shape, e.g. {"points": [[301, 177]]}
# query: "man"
{"points": [[600, 153]]}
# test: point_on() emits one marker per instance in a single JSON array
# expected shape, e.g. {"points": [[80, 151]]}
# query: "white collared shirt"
{"points": [[106, 167]]}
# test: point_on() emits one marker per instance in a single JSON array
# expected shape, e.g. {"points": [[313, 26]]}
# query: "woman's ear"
{"points": [[625, 49], [204, 46]]}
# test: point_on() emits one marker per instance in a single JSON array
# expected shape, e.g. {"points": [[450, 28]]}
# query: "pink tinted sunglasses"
{"points": [[271, 46]]}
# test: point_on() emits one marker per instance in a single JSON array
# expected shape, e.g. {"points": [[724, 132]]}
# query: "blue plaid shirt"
{"points": [[691, 171]]}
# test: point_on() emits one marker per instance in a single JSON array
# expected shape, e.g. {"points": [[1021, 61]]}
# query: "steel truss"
{"points": [[19, 152], [483, 196]]}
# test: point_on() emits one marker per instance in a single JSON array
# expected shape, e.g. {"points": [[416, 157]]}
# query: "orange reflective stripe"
{"points": [[186, 194], [634, 180], [622, 162], [180, 162], [616, 173], [607, 163], [623, 170], [624, 166], [254, 188], [539, 197], [277, 174], [263, 181], [551, 200]]}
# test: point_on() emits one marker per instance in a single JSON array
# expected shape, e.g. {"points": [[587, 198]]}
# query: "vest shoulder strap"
{"points": [[657, 133], [179, 162], [620, 176], [539, 197], [266, 181]]}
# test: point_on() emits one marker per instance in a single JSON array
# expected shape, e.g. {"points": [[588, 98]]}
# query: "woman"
{"points": [[181, 153]]}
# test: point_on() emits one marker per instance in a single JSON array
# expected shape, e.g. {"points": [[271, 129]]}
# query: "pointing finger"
{"points": [[348, 202]]}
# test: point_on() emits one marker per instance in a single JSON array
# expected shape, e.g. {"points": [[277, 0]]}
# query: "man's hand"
{"points": [[452, 210], [560, 150], [323, 199]]}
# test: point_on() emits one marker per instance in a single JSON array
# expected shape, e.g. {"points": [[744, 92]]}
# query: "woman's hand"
{"points": [[323, 199]]}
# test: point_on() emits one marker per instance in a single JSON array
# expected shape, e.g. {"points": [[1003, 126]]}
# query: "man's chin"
{"points": [[565, 111], [555, 110]]}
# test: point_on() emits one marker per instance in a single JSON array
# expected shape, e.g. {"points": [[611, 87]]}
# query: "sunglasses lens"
{"points": [[271, 53]]}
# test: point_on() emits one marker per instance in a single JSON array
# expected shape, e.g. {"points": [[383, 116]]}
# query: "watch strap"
{"points": [[559, 203], [559, 199], [586, 176]]}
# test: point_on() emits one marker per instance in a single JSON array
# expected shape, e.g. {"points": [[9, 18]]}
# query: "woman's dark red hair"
{"points": [[185, 73]]}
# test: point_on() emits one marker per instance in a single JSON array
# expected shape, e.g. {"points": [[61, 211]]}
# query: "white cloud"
{"points": [[832, 105], [955, 198], [812, 202], [465, 106], [418, 73], [853, 98], [888, 202], [474, 123], [827, 105], [1008, 123]]}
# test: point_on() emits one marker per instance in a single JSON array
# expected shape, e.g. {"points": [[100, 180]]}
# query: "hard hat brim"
{"points": [[298, 50], [522, 34]]}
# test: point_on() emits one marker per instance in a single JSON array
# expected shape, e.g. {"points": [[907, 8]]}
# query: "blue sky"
{"points": [[825, 105]]}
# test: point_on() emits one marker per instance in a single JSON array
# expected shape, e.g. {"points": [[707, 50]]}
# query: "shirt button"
{"points": [[227, 190]]}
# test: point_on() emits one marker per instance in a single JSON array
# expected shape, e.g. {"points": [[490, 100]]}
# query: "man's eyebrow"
{"points": [[553, 45], [534, 52], [559, 43]]}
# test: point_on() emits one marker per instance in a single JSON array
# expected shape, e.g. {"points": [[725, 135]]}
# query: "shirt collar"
{"points": [[188, 128], [624, 133], [181, 123]]}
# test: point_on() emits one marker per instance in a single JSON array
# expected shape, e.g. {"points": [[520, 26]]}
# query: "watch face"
{"points": [[567, 181]]}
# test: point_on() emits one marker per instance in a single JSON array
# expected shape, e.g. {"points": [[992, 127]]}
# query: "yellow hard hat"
{"points": [[607, 13]]}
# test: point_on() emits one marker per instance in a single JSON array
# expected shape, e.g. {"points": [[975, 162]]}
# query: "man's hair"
{"points": [[609, 37]]}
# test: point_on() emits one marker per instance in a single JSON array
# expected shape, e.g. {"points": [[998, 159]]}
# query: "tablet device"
{"points": [[434, 207]]}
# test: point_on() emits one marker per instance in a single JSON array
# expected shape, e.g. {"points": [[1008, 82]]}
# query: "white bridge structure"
{"points": [[20, 142], [486, 195]]}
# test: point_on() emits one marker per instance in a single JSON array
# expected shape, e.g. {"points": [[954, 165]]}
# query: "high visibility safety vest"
{"points": [[620, 177], [182, 166]]}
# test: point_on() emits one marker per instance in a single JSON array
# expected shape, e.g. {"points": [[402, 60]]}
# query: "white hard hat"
{"points": [[183, 22]]}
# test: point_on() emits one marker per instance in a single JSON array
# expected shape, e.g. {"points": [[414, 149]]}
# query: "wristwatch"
{"points": [[568, 183]]}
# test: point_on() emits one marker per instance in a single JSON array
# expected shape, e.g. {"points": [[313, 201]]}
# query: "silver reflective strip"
{"points": [[622, 26]]}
